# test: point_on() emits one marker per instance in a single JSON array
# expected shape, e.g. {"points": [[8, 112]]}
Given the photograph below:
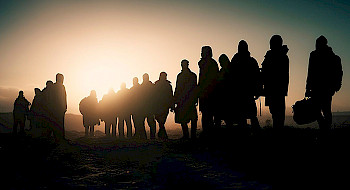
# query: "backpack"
{"points": [[305, 111]]}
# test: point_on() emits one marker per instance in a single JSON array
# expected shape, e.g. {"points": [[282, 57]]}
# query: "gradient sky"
{"points": [[100, 44]]}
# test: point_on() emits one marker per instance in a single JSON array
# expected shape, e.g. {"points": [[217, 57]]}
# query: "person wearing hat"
{"points": [[323, 80], [186, 100]]}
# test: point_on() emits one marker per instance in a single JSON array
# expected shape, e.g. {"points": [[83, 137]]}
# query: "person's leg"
{"points": [[128, 126], [152, 124], [326, 119], [142, 129], [114, 129], [207, 121], [278, 109], [92, 130], [21, 126], [121, 127], [107, 128], [14, 128], [193, 129], [255, 123], [162, 131], [86, 130], [136, 127], [185, 130]]}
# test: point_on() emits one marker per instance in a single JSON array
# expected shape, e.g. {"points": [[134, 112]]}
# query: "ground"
{"points": [[229, 158]]}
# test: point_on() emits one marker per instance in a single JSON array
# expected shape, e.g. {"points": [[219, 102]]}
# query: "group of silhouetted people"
{"points": [[47, 111], [227, 94]]}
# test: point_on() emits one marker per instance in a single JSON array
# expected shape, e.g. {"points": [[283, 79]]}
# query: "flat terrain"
{"points": [[230, 158]]}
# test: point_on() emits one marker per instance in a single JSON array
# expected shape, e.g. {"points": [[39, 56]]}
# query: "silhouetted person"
{"points": [[20, 110], [47, 110], [165, 101], [148, 104], [88, 107], [107, 109], [208, 72], [37, 111], [58, 104], [246, 73], [225, 92], [136, 111], [323, 80], [275, 73], [124, 111], [186, 99]]}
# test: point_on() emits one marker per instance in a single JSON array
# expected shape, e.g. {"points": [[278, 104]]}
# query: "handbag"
{"points": [[305, 111]]}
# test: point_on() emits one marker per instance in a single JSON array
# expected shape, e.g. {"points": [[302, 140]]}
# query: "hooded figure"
{"points": [[20, 110], [323, 80], [275, 73], [246, 73], [88, 108], [208, 72]]}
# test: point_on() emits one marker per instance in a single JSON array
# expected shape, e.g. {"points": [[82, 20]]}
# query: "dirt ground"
{"points": [[228, 159]]}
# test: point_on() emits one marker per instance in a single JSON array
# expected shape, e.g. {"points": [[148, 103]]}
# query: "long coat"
{"points": [[186, 97]]}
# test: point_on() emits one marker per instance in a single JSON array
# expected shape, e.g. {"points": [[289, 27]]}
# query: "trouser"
{"points": [[161, 118], [140, 131], [91, 129], [151, 123], [21, 123], [193, 129], [127, 120], [108, 126], [58, 128], [277, 106], [324, 104], [207, 121]]}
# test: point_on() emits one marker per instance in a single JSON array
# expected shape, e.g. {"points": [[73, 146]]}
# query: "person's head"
{"points": [[20, 93], [184, 64], [145, 77], [37, 91], [276, 42], [242, 46], [163, 76], [123, 86], [207, 52], [59, 78], [49, 83], [321, 42], [93, 93], [224, 61], [135, 81]]}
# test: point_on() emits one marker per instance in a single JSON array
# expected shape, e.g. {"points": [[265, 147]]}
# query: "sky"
{"points": [[100, 44]]}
